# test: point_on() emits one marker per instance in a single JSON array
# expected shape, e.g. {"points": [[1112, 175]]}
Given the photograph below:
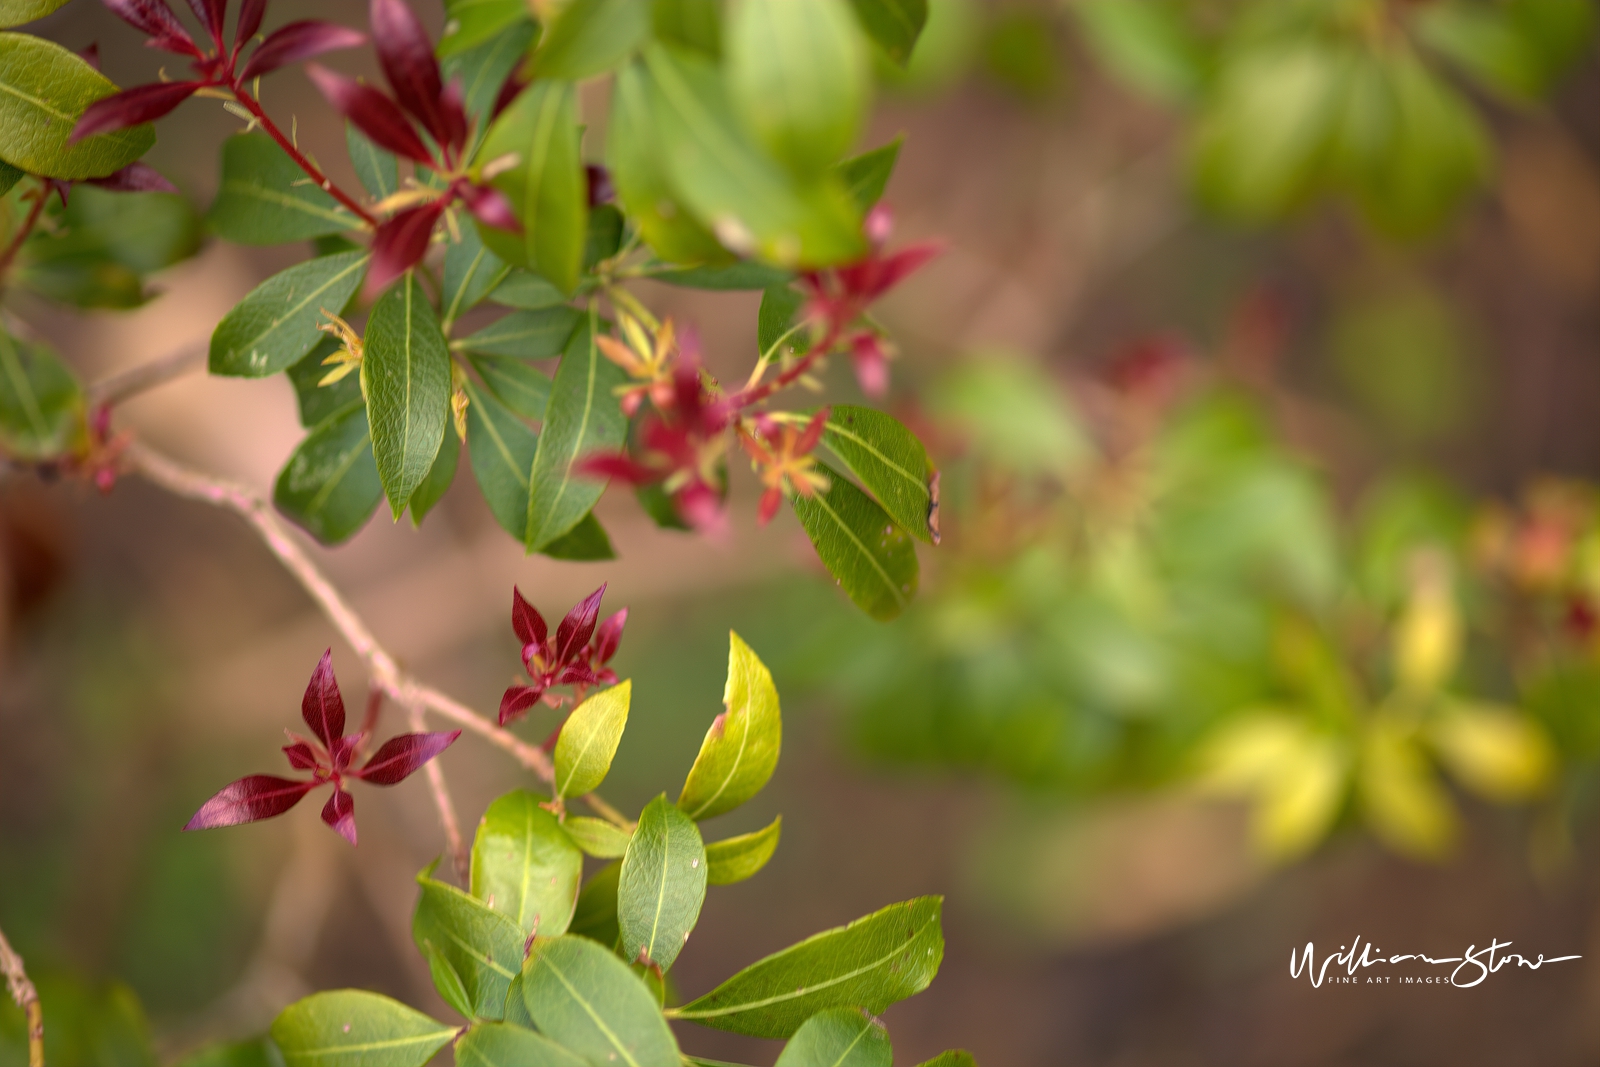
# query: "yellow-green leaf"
{"points": [[740, 749], [589, 740], [734, 859]]}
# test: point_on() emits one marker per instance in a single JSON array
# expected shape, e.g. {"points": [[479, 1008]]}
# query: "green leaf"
{"points": [[518, 386], [482, 945], [954, 1057], [603, 239], [527, 290], [440, 477], [447, 980], [252, 1052], [41, 406], [471, 272], [873, 962], [405, 375], [894, 24], [516, 1006], [597, 837], [745, 274], [547, 186], [10, 176], [526, 334], [276, 324], [17, 12], [317, 402], [589, 740], [736, 858], [633, 152], [469, 23], [871, 558], [740, 749], [264, 199], [583, 997], [330, 485], [524, 864], [890, 461], [838, 1037], [695, 24], [750, 202], [596, 916], [142, 231], [44, 88], [503, 1045], [89, 280], [483, 70], [777, 332], [354, 1028], [1406, 805], [377, 169], [865, 176], [798, 76], [586, 542], [1147, 45], [501, 449], [663, 885], [583, 417], [590, 37]]}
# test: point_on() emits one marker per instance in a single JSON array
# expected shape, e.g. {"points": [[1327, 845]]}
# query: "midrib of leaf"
{"points": [[577, 444], [273, 196], [370, 1046], [578, 759], [23, 387], [321, 496], [324, 287], [375, 162], [588, 1009], [527, 871], [466, 281], [888, 583], [706, 128], [500, 41], [487, 961], [661, 893], [885, 460], [680, 1013], [544, 131], [494, 432], [29, 98], [405, 437], [865, 1026], [738, 760]]}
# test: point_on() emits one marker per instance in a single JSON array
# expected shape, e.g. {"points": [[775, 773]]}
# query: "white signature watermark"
{"points": [[1470, 969]]}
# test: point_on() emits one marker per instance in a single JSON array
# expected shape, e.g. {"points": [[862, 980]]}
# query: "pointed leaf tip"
{"points": [[250, 799], [576, 629], [322, 706], [399, 757], [526, 621], [340, 813]]}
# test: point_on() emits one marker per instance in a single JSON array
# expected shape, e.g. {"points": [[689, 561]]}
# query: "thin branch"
{"points": [[27, 999], [175, 364], [252, 105], [17, 241], [447, 809]]}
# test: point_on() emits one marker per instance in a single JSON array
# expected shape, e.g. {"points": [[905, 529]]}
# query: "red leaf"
{"points": [[608, 636], [769, 506], [250, 799], [135, 178], [399, 756], [400, 243], [576, 674], [210, 13], [516, 701], [322, 706], [576, 629], [298, 41], [142, 103], [453, 111], [156, 20], [491, 206], [871, 364], [813, 432], [406, 56], [250, 13], [340, 813], [616, 465], [300, 756], [526, 622], [343, 749], [373, 113], [510, 89]]}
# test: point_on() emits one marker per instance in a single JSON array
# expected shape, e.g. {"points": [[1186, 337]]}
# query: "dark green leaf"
{"points": [[777, 332], [547, 186], [471, 272], [583, 417], [596, 917], [443, 472], [657, 503], [252, 1052], [10, 176], [354, 1028], [446, 979], [469, 23], [597, 837], [43, 90], [527, 290], [1145, 44], [663, 885], [604, 237], [264, 199], [526, 334], [1020, 51], [638, 170], [865, 176], [955, 1057], [276, 324], [798, 77], [317, 402], [483, 946], [503, 1045], [142, 231], [586, 542], [740, 750], [893, 24], [889, 461], [524, 864], [695, 24], [734, 276], [838, 1037], [518, 386], [330, 485], [405, 374], [589, 740], [753, 205], [871, 558], [583, 997], [484, 68], [501, 449], [871, 963], [516, 1007], [83, 279], [590, 37], [737, 858], [377, 169], [17, 12], [41, 407]]}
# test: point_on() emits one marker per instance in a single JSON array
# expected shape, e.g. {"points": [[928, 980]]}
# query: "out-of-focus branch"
{"points": [[175, 364], [27, 999], [447, 808]]}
